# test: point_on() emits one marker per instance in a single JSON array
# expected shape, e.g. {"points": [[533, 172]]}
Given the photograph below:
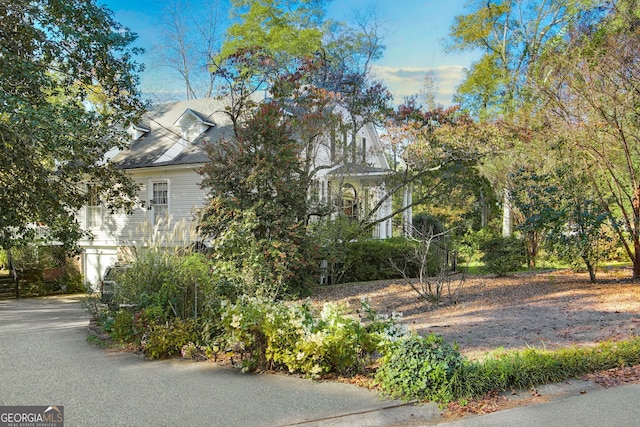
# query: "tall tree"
{"points": [[257, 213], [440, 148], [309, 77], [191, 36], [260, 170], [511, 34], [348, 53], [53, 56], [555, 206], [590, 81], [282, 28], [268, 40]]}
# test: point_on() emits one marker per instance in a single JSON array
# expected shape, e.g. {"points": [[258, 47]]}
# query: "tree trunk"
{"points": [[591, 269], [484, 216], [636, 259], [532, 248]]}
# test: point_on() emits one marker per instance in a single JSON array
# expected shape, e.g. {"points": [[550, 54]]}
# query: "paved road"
{"points": [[46, 360], [614, 407]]}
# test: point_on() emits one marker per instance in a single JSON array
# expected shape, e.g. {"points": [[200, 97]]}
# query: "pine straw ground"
{"points": [[544, 310]]}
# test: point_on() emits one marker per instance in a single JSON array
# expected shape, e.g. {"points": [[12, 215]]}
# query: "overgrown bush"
{"points": [[267, 268], [419, 368], [183, 286], [333, 342], [272, 335], [168, 339], [470, 244], [424, 223], [122, 329], [502, 255], [126, 326], [427, 368]]}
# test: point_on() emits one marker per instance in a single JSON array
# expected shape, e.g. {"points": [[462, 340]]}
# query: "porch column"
{"points": [[407, 212]]}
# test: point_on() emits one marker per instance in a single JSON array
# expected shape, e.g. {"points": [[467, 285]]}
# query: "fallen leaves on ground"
{"points": [[616, 376]]}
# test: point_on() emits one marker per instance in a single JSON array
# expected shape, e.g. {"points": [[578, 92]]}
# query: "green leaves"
{"points": [[54, 55], [511, 34], [299, 339], [559, 205], [258, 209], [279, 27], [419, 368]]}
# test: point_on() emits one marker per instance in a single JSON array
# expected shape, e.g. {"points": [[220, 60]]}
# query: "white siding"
{"points": [[120, 229]]}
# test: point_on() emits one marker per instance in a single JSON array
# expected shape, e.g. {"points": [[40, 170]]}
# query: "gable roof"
{"points": [[162, 141], [164, 144], [198, 116]]}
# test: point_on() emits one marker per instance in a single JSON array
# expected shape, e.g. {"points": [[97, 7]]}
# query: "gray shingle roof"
{"points": [[165, 137]]}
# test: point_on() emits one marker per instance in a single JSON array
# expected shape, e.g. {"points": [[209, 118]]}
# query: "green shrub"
{"points": [[425, 223], [470, 244], [427, 368], [503, 255], [333, 342], [419, 368], [123, 331], [271, 267], [168, 339], [140, 283], [182, 286], [273, 335], [367, 260]]}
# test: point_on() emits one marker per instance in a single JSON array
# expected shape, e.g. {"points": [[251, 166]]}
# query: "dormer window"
{"points": [[138, 131], [192, 125]]}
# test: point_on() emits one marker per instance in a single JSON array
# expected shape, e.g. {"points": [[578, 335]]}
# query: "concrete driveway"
{"points": [[45, 359]]}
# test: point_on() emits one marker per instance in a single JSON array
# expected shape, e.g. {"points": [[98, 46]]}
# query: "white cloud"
{"points": [[406, 81]]}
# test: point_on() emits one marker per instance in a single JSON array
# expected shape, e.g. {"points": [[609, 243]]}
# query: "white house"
{"points": [[164, 158]]}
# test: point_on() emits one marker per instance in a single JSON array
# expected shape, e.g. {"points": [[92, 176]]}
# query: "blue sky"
{"points": [[414, 32]]}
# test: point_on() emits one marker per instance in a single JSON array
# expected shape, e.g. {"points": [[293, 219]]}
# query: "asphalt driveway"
{"points": [[45, 359]]}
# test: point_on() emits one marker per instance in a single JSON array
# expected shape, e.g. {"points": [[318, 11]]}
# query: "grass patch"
{"points": [[425, 368], [502, 371]]}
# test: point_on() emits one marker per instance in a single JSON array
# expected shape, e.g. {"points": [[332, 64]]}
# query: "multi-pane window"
{"points": [[160, 201], [94, 207]]}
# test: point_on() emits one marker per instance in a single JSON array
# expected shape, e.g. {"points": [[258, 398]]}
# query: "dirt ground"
{"points": [[542, 310]]}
